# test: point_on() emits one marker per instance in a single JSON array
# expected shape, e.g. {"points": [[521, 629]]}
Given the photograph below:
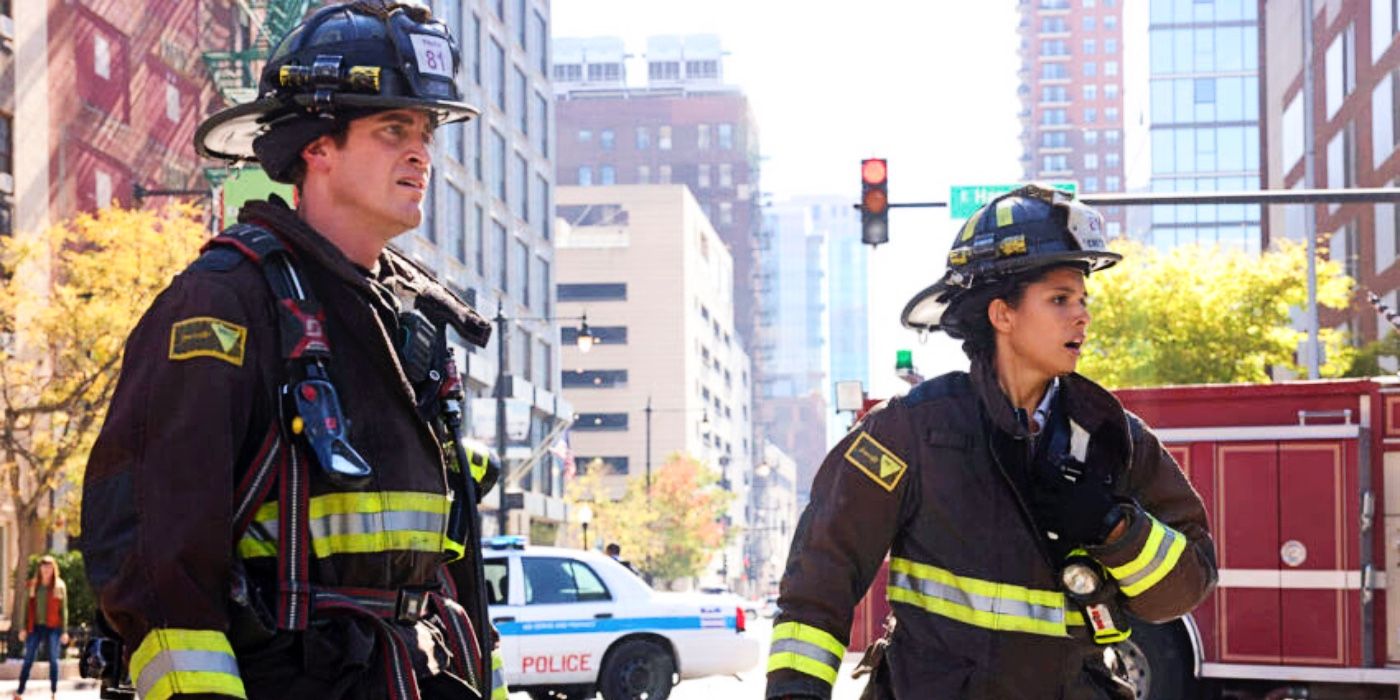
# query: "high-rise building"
{"points": [[1355, 135], [1072, 95], [1204, 97], [656, 282], [812, 325], [683, 126], [488, 232]]}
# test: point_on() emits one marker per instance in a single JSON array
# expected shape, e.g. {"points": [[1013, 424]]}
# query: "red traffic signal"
{"points": [[874, 202]]}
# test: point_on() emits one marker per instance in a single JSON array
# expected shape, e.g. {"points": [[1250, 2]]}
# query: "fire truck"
{"points": [[1302, 484]]}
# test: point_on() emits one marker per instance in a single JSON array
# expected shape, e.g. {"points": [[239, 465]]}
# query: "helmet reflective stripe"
{"points": [[1005, 215]]}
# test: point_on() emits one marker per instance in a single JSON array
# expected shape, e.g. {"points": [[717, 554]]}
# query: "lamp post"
{"points": [[585, 516], [585, 343]]}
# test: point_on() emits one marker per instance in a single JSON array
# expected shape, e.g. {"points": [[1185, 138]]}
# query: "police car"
{"points": [[574, 623]]}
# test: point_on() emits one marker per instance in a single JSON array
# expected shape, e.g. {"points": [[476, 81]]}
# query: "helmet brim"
{"points": [[925, 310], [229, 134]]}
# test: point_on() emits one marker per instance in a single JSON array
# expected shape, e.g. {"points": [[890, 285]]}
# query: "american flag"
{"points": [[561, 450]]}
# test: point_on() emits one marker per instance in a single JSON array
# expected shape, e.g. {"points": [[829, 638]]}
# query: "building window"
{"points": [[101, 56], [585, 175], [726, 213], [522, 101], [1054, 139], [1110, 159], [522, 187], [1091, 184], [605, 335], [594, 378], [702, 137], [479, 238], [1090, 46], [1110, 68], [644, 174], [1053, 93], [500, 238], [600, 421], [1091, 115], [603, 291], [498, 165], [664, 70], [1091, 69], [1341, 69], [1091, 136], [726, 175], [1385, 24], [611, 465], [1091, 92], [520, 271], [542, 124], [1110, 114], [1110, 91], [703, 176], [6, 144], [542, 42], [663, 138], [476, 49], [585, 136], [643, 138], [1114, 229], [726, 136], [1054, 47], [607, 175], [1341, 159], [1113, 183], [1110, 22], [568, 72], [1088, 23], [456, 224], [663, 174], [1091, 160], [1054, 71], [607, 140], [1111, 135], [1110, 46], [478, 154], [427, 227], [172, 103], [496, 72], [1055, 163], [1053, 117]]}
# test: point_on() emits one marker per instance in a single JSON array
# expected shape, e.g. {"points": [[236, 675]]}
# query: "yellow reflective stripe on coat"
{"points": [[499, 691], [184, 662], [986, 604], [805, 649], [1159, 555], [359, 523]]}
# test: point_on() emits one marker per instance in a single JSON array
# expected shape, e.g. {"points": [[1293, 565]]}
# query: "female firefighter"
{"points": [[1024, 511]]}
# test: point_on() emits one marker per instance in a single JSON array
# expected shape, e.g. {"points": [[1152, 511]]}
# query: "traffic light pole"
{"points": [[1371, 195]]}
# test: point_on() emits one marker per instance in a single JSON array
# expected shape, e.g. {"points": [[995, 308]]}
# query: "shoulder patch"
{"points": [[218, 259], [206, 336], [878, 463]]}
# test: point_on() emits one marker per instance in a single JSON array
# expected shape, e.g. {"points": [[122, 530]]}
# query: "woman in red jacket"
{"points": [[44, 620]]}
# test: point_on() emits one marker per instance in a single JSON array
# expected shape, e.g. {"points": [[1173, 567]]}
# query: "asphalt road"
{"points": [[746, 686]]}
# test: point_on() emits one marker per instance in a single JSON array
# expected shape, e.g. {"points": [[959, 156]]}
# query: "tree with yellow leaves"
{"points": [[68, 298], [1201, 314], [673, 534]]}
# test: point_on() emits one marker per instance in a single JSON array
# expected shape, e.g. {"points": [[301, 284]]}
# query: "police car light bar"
{"points": [[505, 542]]}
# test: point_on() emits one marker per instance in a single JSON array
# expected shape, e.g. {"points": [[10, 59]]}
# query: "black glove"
{"points": [[1074, 502]]}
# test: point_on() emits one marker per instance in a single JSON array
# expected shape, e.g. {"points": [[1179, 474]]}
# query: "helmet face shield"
{"points": [[1030, 228]]}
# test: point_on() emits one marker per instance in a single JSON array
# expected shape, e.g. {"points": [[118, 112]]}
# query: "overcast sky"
{"points": [[928, 84]]}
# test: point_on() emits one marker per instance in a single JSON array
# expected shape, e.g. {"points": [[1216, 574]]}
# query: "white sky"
{"points": [[928, 84]]}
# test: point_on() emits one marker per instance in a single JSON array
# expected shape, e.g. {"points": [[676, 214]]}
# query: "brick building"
{"points": [[1072, 95], [684, 127]]}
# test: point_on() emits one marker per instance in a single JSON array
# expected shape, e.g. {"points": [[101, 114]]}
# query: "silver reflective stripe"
{"points": [[997, 606], [369, 523], [806, 649], [1168, 538], [168, 662], [360, 524], [498, 679]]}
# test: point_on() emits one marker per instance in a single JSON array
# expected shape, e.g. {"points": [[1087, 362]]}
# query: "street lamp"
{"points": [[585, 343], [585, 516]]}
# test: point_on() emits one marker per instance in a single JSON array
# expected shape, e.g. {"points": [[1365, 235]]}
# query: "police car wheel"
{"points": [[637, 670]]}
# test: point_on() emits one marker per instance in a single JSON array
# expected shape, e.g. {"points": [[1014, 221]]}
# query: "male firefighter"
{"points": [[278, 505], [1025, 513]]}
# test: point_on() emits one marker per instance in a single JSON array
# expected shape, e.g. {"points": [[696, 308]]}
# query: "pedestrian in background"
{"points": [[43, 620]]}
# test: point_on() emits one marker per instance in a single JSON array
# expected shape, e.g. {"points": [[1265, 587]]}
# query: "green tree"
{"points": [[1202, 314], [1367, 362], [671, 535], [68, 298]]}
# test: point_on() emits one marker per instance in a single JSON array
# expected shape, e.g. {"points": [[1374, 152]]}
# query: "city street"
{"points": [[746, 685]]}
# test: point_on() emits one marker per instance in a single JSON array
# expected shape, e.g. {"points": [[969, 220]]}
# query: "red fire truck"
{"points": [[1302, 482]]}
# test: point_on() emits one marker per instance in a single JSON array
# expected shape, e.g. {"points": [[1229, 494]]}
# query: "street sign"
{"points": [[963, 200]]}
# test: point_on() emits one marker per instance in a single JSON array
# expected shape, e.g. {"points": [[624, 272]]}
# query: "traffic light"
{"points": [[874, 202]]}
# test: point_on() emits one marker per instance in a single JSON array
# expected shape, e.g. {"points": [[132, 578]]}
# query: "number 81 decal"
{"points": [[433, 55]]}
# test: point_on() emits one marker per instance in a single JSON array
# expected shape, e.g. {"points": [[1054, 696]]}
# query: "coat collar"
{"points": [[1090, 405]]}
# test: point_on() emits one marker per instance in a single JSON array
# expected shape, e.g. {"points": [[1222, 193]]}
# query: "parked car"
{"points": [[575, 623]]}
